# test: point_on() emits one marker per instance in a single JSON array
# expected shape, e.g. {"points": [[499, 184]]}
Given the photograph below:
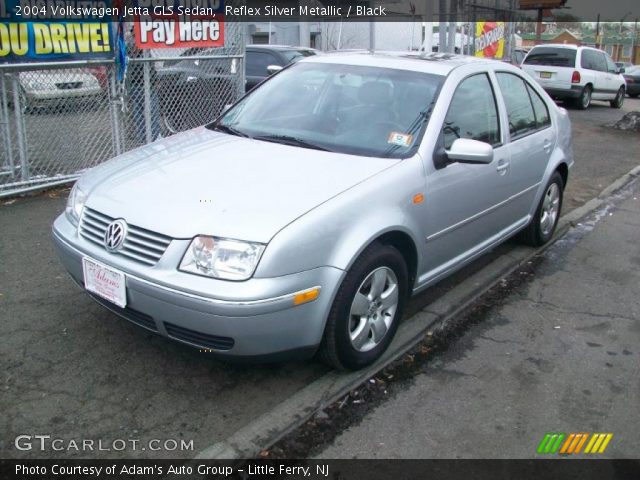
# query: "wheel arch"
{"points": [[404, 243], [563, 170]]}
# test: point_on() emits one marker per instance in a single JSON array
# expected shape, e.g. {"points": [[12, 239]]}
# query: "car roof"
{"points": [[568, 46], [434, 63], [278, 47]]}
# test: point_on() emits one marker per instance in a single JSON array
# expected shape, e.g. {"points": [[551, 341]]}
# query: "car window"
{"points": [[257, 63], [296, 55], [553, 57], [611, 67], [539, 108], [522, 119], [592, 60], [473, 113]]}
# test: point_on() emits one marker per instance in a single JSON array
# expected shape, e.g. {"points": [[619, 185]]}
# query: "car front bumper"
{"points": [[256, 318]]}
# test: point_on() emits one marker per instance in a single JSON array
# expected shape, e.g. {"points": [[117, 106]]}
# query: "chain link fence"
{"points": [[59, 119]]}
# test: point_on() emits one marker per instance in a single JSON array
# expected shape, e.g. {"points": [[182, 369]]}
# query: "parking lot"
{"points": [[86, 374]]}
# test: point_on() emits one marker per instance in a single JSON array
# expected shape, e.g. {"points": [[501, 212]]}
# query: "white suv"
{"points": [[576, 74]]}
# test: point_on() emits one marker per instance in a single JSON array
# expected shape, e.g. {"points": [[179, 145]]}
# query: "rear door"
{"points": [[551, 67], [531, 140], [594, 66]]}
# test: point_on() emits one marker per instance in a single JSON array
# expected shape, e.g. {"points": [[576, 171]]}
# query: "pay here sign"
{"points": [[177, 24]]}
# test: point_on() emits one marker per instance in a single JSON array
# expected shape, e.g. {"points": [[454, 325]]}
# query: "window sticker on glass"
{"points": [[400, 139]]}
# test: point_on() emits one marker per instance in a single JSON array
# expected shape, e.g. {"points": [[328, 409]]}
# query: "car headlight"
{"points": [[75, 204], [222, 258], [37, 85]]}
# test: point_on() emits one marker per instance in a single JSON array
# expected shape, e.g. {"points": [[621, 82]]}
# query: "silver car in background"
{"points": [[51, 87], [303, 218]]}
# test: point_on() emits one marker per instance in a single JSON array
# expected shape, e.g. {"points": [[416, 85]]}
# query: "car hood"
{"points": [[207, 183]]}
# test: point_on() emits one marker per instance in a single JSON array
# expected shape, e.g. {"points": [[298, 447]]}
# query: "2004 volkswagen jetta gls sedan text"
{"points": [[303, 218]]}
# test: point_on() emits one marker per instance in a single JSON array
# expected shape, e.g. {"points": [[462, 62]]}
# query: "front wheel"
{"points": [[544, 222], [367, 309], [619, 100]]}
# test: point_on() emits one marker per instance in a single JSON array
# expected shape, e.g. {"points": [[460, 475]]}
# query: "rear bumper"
{"points": [[633, 88], [564, 93], [265, 328]]}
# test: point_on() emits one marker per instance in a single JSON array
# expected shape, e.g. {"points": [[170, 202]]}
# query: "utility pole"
{"points": [[427, 45], [632, 59], [442, 26]]}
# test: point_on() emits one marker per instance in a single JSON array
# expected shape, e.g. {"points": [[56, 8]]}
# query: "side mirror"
{"points": [[271, 69], [465, 150], [621, 70]]}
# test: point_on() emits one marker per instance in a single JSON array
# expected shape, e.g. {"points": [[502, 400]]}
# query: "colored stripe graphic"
{"points": [[598, 443], [573, 443], [550, 443]]}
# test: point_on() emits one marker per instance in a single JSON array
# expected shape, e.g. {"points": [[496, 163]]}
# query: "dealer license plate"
{"points": [[106, 282], [545, 74]]}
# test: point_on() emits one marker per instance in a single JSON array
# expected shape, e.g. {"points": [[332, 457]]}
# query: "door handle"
{"points": [[547, 146], [502, 167]]}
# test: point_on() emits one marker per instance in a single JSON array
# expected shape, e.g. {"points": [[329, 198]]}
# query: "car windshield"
{"points": [[296, 55], [552, 57], [368, 111]]}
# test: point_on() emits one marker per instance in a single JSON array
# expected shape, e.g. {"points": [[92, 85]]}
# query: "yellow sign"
{"points": [[490, 38], [31, 41]]}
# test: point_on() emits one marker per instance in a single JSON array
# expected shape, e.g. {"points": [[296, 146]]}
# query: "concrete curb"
{"points": [[291, 413]]}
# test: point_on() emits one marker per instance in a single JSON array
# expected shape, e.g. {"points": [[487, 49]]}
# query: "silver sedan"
{"points": [[302, 219]]}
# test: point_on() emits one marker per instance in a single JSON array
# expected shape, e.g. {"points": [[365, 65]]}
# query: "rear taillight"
{"points": [[575, 78], [629, 79]]}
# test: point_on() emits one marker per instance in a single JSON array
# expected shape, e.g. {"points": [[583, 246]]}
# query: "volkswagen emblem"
{"points": [[114, 235]]}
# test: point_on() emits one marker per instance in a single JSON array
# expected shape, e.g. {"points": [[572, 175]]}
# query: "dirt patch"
{"points": [[630, 122]]}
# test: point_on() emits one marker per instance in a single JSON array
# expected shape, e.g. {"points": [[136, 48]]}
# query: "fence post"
{"points": [[147, 98], [22, 140], [5, 126], [115, 112]]}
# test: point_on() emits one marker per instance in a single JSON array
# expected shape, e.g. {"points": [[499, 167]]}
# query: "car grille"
{"points": [[198, 338], [140, 245], [69, 85]]}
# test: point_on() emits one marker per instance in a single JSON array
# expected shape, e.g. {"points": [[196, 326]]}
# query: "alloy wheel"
{"points": [[373, 309], [550, 209]]}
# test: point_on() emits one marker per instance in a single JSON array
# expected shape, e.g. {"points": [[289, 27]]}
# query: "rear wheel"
{"points": [[619, 100], [545, 220], [367, 309], [634, 95], [584, 100]]}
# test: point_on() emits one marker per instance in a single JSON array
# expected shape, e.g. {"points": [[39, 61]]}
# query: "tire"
{"points": [[543, 224], [349, 340], [619, 100], [634, 95], [583, 102]]}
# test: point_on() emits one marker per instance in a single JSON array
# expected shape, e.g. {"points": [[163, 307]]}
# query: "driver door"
{"points": [[466, 202]]}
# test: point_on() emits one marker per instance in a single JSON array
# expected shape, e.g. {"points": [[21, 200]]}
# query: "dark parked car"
{"points": [[632, 77], [189, 89], [264, 60]]}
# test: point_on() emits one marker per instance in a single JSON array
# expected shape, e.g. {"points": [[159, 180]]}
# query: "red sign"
{"points": [[179, 31]]}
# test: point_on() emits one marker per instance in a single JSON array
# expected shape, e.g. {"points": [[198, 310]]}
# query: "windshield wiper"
{"points": [[230, 130], [289, 140]]}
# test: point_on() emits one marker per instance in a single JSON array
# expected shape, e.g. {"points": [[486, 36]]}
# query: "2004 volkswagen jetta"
{"points": [[304, 217]]}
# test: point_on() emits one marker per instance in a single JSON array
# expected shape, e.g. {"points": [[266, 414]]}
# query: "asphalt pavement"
{"points": [[560, 354]]}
